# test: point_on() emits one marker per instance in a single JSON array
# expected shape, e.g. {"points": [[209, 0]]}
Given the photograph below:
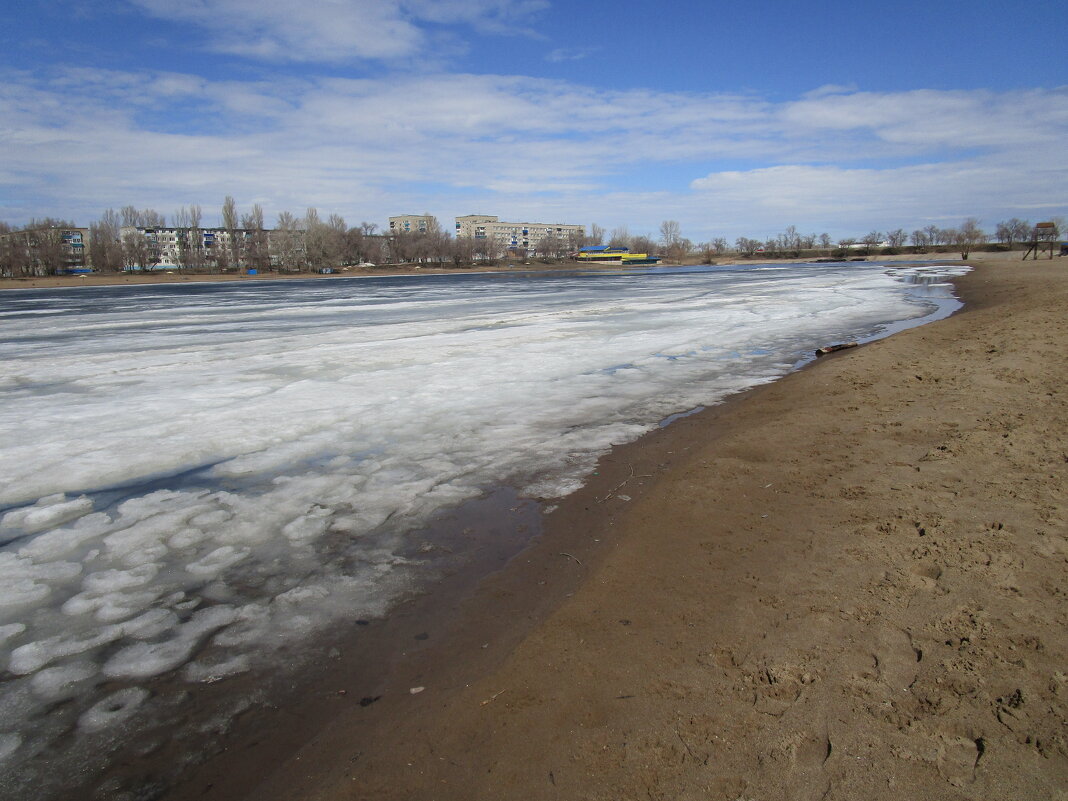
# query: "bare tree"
{"points": [[463, 250], [487, 248], [643, 244], [1013, 231], [545, 246], [575, 241], [790, 242], [360, 245], [620, 237], [105, 248], [255, 252], [141, 218], [402, 247], [286, 252], [670, 233], [746, 246], [968, 236], [336, 230], [196, 238], [675, 247], [872, 239], [48, 252], [920, 239], [189, 237], [596, 237], [140, 250], [324, 242], [180, 222], [230, 222], [896, 238], [435, 245]]}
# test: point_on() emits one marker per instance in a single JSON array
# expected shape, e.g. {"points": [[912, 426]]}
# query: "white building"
{"points": [[162, 248], [410, 224], [522, 237]]}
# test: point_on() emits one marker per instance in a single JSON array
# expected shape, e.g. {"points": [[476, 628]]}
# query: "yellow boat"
{"points": [[603, 254]]}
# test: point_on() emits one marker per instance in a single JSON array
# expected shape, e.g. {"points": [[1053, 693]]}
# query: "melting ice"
{"points": [[193, 473]]}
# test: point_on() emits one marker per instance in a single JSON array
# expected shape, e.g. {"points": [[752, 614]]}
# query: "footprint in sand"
{"points": [[897, 659], [957, 758]]}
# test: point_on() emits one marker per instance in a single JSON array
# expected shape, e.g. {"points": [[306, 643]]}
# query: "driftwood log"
{"points": [[832, 348]]}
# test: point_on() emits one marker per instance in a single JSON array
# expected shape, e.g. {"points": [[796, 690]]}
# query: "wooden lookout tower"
{"points": [[1043, 236]]}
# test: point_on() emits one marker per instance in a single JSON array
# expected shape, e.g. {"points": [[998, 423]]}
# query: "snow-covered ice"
{"points": [[196, 474]]}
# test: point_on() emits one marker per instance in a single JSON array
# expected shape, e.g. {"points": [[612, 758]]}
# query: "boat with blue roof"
{"points": [[606, 254]]}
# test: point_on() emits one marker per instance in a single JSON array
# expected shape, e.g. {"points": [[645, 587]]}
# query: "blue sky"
{"points": [[732, 118]]}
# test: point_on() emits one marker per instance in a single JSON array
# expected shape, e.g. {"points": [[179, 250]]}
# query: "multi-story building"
{"points": [[523, 238], [163, 248], [52, 250], [410, 224]]}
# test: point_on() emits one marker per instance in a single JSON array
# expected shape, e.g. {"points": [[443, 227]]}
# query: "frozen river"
{"points": [[194, 475]]}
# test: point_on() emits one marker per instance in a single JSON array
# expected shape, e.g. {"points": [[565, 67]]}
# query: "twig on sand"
{"points": [[620, 486], [693, 756], [571, 556], [492, 698]]}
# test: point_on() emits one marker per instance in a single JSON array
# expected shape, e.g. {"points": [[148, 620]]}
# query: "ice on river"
{"points": [[193, 475]]}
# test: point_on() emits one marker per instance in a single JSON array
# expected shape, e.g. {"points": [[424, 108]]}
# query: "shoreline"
{"points": [[169, 277], [642, 657]]}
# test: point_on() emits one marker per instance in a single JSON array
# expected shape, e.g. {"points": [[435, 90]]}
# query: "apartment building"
{"points": [[410, 224], [526, 238], [163, 248], [51, 250]]}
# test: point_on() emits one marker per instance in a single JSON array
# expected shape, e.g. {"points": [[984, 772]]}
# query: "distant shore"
{"points": [[848, 583], [175, 277]]}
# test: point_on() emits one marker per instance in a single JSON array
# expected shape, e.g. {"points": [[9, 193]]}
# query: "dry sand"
{"points": [[847, 584]]}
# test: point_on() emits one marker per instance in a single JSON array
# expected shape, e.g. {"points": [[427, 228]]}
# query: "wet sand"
{"points": [[849, 583]]}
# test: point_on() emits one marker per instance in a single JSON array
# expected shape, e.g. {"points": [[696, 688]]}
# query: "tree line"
{"points": [[130, 238], [791, 243], [117, 241]]}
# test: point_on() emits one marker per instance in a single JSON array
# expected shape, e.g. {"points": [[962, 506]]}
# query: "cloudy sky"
{"points": [[733, 118]]}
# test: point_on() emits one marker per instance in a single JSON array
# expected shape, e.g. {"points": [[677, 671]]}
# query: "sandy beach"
{"points": [[849, 583]]}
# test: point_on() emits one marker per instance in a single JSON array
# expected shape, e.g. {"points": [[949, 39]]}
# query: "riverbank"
{"points": [[171, 277], [846, 583]]}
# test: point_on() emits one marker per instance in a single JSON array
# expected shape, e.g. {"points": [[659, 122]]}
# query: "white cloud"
{"points": [[562, 54], [339, 30], [928, 118], [839, 161], [829, 197]]}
